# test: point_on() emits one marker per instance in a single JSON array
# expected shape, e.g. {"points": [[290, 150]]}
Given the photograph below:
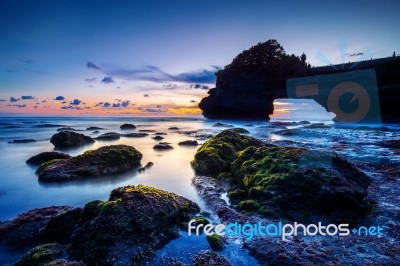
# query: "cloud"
{"points": [[27, 61], [146, 95], [90, 79], [356, 54], [44, 101], [107, 80], [71, 107], [155, 74], [75, 102], [2, 100], [59, 98], [27, 97], [18, 105], [106, 104], [92, 65], [64, 102], [116, 105], [125, 103], [199, 86], [152, 110], [13, 99]]}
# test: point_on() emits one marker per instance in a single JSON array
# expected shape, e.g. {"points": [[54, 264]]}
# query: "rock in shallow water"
{"points": [[127, 126], [92, 163], [125, 230], [292, 183], [67, 139], [109, 136], [47, 156], [26, 229]]}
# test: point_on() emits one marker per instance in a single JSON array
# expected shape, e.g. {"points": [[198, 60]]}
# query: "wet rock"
{"points": [[94, 128], [26, 229], [66, 129], [158, 138], [293, 183], [67, 139], [163, 146], [92, 163], [304, 122], [207, 257], [317, 125], [221, 125], [148, 165], [47, 156], [47, 254], [216, 155], [189, 143], [130, 226], [393, 144], [160, 133], [136, 135], [147, 130], [21, 141], [240, 130], [173, 128], [109, 136], [127, 126]]}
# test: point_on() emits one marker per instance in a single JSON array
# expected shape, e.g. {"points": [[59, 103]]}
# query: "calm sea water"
{"points": [[20, 190]]}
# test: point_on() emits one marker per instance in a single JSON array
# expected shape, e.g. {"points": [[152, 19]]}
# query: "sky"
{"points": [[159, 57]]}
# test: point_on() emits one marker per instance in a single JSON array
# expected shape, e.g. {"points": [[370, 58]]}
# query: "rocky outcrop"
{"points": [[109, 136], [26, 229], [92, 163], [248, 86], [67, 139], [47, 156], [127, 229], [285, 182]]}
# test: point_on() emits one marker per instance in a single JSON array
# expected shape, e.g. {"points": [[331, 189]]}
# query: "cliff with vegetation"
{"points": [[247, 87]]}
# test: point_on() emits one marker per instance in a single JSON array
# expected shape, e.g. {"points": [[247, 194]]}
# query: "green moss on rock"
{"points": [[92, 163], [216, 155], [42, 254], [215, 242]]}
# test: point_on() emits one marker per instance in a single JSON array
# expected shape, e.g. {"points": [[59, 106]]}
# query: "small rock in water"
{"points": [[188, 143], [22, 141], [127, 126], [157, 138], [148, 165], [66, 139], [147, 130], [163, 146], [136, 135], [109, 136], [160, 133], [94, 128], [173, 128], [221, 125]]}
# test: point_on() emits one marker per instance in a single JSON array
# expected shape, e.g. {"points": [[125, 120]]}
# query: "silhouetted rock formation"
{"points": [[247, 87]]}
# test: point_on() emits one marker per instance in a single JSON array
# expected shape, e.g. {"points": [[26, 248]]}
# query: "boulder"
{"points": [[92, 163], [47, 156], [163, 146], [158, 138], [285, 182], [188, 143], [127, 126], [109, 136], [136, 135], [25, 230], [21, 141], [67, 139]]}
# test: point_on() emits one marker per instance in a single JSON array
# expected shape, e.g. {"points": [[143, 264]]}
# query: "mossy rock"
{"points": [[217, 154], [132, 218], [46, 156], [92, 163], [42, 255], [67, 139], [215, 242]]}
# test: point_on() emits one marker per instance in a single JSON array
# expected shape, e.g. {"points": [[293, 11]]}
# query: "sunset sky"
{"points": [[159, 57]]}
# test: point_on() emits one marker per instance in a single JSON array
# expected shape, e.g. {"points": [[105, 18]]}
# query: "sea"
{"points": [[20, 190]]}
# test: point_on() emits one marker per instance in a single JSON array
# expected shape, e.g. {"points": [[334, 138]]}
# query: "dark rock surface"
{"points": [[109, 136], [163, 146], [94, 128], [248, 86], [188, 143], [293, 183], [127, 126], [67, 139], [92, 163], [47, 156], [208, 258], [157, 138], [26, 229], [136, 135]]}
